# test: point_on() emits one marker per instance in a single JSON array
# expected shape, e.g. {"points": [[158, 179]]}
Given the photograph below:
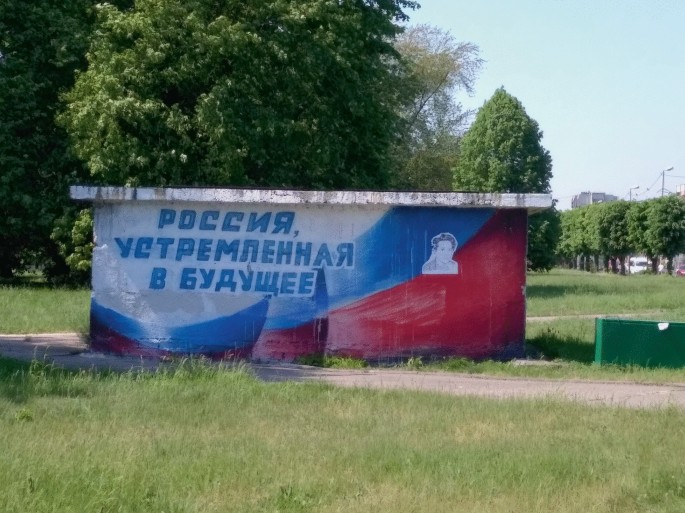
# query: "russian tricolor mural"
{"points": [[201, 274]]}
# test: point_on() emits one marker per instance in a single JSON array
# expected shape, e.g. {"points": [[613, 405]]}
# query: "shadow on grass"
{"points": [[25, 282], [20, 381], [38, 282], [553, 346]]}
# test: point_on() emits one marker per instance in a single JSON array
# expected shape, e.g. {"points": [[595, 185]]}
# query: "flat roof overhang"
{"points": [[101, 194]]}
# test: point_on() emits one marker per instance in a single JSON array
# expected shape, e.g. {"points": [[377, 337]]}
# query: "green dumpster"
{"points": [[645, 343]]}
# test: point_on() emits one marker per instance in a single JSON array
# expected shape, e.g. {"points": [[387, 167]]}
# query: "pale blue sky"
{"points": [[604, 79]]}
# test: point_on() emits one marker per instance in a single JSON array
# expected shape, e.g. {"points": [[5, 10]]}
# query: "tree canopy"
{"points": [[654, 228], [665, 233], [502, 150], [438, 67], [612, 235], [42, 43], [264, 93]]}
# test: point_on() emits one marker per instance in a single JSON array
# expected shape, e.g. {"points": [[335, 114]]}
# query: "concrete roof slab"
{"points": [[101, 194]]}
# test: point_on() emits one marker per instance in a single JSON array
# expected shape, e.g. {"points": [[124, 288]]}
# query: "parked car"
{"points": [[680, 271], [639, 265]]}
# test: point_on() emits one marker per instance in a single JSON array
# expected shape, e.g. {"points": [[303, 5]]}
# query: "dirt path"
{"points": [[67, 350]]}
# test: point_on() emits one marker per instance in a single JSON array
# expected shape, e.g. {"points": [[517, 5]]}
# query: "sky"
{"points": [[604, 79]]}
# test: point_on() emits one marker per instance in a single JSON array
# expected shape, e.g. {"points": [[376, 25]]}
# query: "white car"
{"points": [[639, 264]]}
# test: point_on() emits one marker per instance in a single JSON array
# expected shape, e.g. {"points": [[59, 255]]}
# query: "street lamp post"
{"points": [[663, 176], [631, 191]]}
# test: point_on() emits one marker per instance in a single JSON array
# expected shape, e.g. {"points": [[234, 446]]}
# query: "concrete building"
{"points": [[276, 274], [588, 198]]}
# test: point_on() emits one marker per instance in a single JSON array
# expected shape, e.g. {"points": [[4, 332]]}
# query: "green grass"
{"points": [[562, 292], [43, 310], [569, 341], [338, 362], [203, 439]]}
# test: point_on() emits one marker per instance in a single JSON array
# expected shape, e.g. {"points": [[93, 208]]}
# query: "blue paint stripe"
{"points": [[236, 331]]}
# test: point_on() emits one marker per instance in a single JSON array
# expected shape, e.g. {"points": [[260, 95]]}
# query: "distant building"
{"points": [[588, 198], [680, 191]]}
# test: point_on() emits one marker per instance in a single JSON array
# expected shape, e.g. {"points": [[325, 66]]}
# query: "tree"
{"points": [[665, 234], [613, 233], [637, 219], [576, 239], [438, 67], [591, 234], [544, 229], [501, 152], [42, 43], [260, 93], [566, 247]]}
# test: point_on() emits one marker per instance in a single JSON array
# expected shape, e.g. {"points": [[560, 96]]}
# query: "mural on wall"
{"points": [[277, 283]]}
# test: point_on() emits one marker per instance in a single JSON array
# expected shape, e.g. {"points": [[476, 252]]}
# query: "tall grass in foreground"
{"points": [[202, 439]]}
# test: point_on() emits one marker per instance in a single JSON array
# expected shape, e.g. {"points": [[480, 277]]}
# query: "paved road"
{"points": [[69, 351]]}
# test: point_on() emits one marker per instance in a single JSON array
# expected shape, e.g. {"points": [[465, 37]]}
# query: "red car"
{"points": [[680, 271]]}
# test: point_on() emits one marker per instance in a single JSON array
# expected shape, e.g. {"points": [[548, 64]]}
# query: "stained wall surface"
{"points": [[274, 282]]}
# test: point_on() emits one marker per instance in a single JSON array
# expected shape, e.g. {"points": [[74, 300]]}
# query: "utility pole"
{"points": [[663, 177], [631, 191]]}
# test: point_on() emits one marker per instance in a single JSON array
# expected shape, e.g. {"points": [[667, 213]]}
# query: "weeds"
{"points": [[336, 362]]}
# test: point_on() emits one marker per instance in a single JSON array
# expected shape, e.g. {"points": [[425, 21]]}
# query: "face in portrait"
{"points": [[443, 247]]}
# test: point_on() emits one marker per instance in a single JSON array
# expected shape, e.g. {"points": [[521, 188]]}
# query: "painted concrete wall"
{"points": [[278, 281]]}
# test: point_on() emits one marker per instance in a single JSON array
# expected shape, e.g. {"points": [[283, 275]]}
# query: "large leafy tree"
{"points": [[613, 232], [502, 152], [566, 247], [665, 233], [577, 237], [592, 237], [42, 43], [290, 93], [438, 67], [638, 222], [543, 236]]}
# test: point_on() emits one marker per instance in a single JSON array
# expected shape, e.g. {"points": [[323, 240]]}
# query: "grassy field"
{"points": [[565, 293], [559, 308], [38, 309], [210, 439], [202, 439]]}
